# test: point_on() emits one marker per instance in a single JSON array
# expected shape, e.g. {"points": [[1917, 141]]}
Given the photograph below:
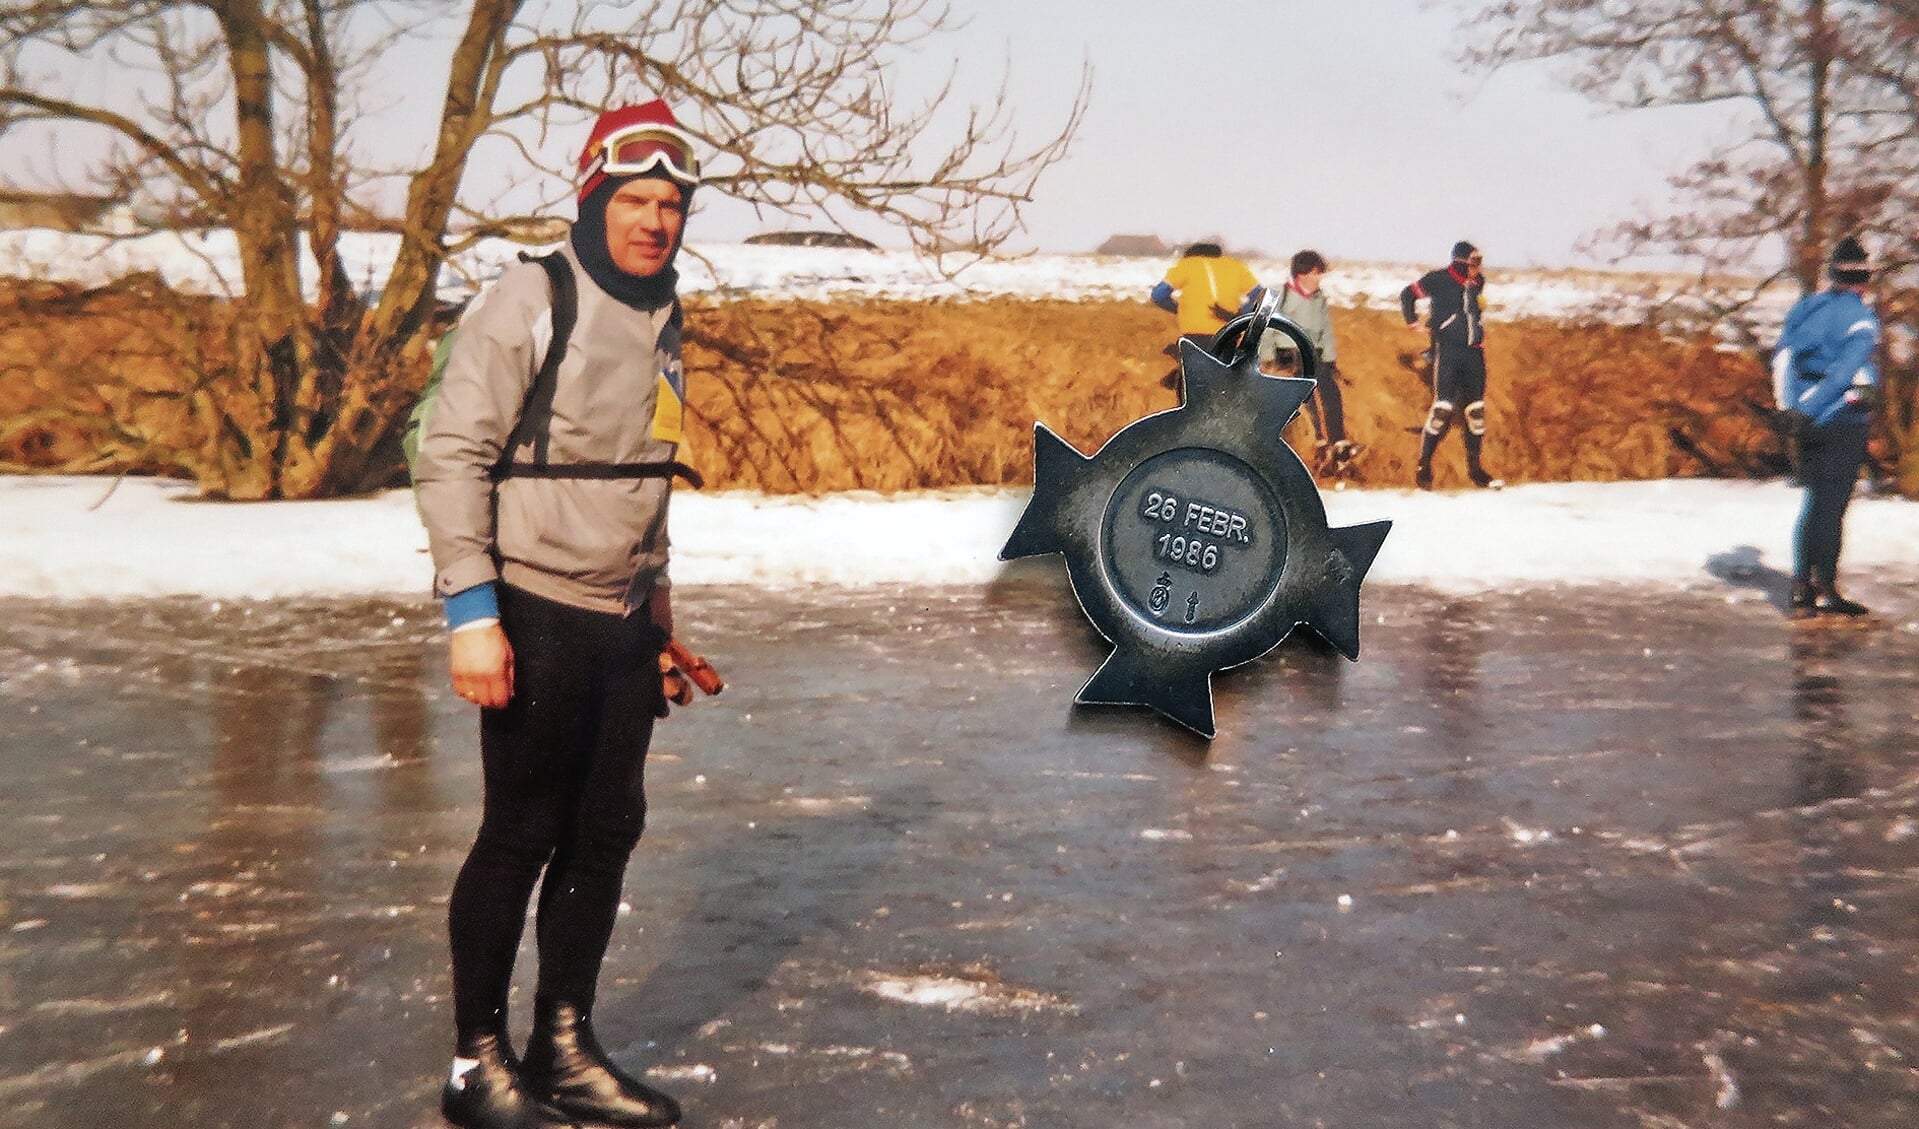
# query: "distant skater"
{"points": [[1303, 302], [1826, 385], [1458, 341], [1211, 286]]}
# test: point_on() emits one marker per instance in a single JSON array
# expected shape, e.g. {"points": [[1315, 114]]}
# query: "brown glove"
{"points": [[680, 671], [695, 667]]}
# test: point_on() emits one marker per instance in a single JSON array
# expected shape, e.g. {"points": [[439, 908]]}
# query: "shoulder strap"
{"points": [[537, 410]]}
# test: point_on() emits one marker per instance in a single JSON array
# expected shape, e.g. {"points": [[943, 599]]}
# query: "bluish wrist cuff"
{"points": [[478, 602]]}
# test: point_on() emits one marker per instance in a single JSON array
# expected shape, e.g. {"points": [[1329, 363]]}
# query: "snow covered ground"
{"points": [[80, 538], [208, 262]]}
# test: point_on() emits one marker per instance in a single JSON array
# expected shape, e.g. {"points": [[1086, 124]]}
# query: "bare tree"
{"points": [[242, 114], [1826, 94]]}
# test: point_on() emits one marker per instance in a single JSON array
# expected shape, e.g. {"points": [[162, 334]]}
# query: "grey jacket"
{"points": [[1314, 315], [599, 544]]}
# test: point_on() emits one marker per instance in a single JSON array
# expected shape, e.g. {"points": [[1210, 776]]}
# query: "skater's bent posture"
{"points": [[1303, 302], [1203, 291], [1825, 383], [552, 566], [1458, 343]]}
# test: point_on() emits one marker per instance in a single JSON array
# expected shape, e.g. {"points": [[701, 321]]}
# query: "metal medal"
{"points": [[1195, 539]]}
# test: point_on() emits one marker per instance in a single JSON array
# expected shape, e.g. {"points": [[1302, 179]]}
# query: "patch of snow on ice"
{"points": [[960, 994]]}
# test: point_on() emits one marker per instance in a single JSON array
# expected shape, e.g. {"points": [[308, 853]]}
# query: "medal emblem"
{"points": [[1196, 539]]}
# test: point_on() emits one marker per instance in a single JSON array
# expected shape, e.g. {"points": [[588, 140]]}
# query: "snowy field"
{"points": [[209, 263], [83, 538]]}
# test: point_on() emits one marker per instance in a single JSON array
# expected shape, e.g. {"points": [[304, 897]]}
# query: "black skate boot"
{"points": [[1830, 602], [1480, 478], [566, 1067], [491, 1095], [1423, 476], [1804, 601]]}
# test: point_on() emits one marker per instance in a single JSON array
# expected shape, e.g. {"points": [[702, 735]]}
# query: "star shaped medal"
{"points": [[1195, 539]]}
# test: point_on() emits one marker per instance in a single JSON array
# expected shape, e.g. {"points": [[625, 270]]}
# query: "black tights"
{"points": [[1829, 462], [1325, 407], [565, 793], [1459, 388]]}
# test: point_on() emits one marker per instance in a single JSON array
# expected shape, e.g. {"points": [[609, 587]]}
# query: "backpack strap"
{"points": [[671, 469], [536, 413]]}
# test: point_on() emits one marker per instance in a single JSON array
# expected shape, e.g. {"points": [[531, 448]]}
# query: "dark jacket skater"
{"points": [[1458, 336]]}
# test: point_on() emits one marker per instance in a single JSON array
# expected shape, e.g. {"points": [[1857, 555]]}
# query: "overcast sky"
{"points": [[1343, 125]]}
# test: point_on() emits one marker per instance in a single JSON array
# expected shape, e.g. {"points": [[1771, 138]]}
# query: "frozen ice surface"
{"points": [[917, 887]]}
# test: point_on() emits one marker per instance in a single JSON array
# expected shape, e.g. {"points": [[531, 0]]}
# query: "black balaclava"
{"points": [[589, 246]]}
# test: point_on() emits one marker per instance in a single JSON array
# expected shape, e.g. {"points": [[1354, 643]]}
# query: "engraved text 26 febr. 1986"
{"points": [[1198, 531]]}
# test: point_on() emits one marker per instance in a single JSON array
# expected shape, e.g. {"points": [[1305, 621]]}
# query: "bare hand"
{"points": [[482, 663], [1416, 327]]}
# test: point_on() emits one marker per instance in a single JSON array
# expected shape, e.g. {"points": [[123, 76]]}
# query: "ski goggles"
{"points": [[643, 148]]}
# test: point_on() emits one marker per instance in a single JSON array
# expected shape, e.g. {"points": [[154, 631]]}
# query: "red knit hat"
{"points": [[659, 144]]}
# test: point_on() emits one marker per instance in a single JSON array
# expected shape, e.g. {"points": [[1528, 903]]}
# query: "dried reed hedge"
{"points": [[896, 395], [808, 397], [109, 380]]}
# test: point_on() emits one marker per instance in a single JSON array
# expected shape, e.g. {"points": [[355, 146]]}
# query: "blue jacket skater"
{"points": [[1824, 364]]}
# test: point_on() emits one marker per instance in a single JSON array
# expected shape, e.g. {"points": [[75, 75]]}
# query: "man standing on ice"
{"points": [[1458, 342], [549, 544], [1825, 385]]}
